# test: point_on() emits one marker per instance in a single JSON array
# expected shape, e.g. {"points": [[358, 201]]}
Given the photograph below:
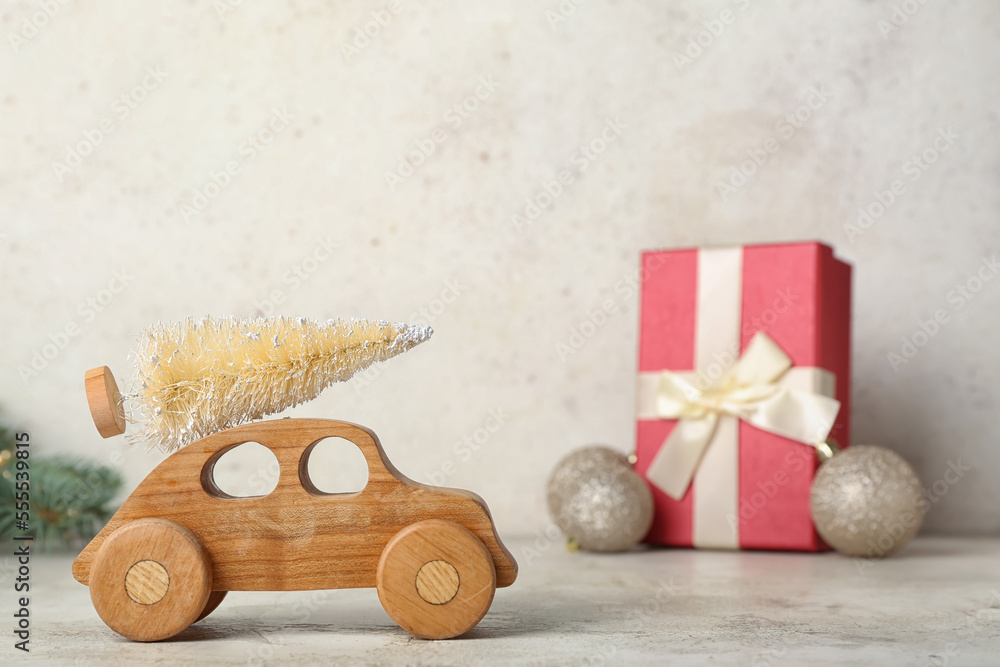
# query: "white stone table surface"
{"points": [[936, 603]]}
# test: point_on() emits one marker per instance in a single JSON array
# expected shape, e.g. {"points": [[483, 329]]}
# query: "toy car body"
{"points": [[180, 542]]}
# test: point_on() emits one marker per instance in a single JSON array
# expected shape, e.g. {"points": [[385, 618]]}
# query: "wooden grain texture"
{"points": [[163, 608], [448, 605], [104, 400], [146, 582], [437, 582], [296, 537]]}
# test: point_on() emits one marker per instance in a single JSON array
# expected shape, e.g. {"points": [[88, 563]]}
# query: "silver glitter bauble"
{"points": [[867, 501], [598, 501]]}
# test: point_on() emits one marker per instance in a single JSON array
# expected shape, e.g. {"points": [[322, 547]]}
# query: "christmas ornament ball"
{"points": [[598, 501], [867, 501]]}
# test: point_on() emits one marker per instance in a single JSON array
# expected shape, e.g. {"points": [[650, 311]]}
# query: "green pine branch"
{"points": [[70, 497]]}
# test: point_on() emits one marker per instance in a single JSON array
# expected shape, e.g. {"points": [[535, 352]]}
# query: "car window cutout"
{"points": [[248, 470], [335, 466]]}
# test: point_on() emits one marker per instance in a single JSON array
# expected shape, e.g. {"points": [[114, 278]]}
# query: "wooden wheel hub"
{"points": [[146, 582], [436, 579], [151, 579], [437, 582]]}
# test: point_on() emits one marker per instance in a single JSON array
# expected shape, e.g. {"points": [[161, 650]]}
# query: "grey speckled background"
{"points": [[446, 231]]}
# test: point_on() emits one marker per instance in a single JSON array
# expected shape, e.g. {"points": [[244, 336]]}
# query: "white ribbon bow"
{"points": [[750, 391]]}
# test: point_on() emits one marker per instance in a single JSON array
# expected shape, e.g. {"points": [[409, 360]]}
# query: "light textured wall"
{"points": [[176, 89]]}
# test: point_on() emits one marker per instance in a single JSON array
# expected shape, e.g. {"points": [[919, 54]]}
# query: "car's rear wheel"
{"points": [[214, 600], [436, 579], [150, 580]]}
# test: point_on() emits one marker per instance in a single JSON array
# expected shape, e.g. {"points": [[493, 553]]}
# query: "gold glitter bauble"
{"points": [[598, 501], [867, 501]]}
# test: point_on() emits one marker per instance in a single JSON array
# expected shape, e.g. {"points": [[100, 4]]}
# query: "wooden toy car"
{"points": [[178, 544]]}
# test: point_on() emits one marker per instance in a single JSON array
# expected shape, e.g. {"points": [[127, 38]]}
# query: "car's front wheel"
{"points": [[436, 579], [214, 600], [150, 580]]}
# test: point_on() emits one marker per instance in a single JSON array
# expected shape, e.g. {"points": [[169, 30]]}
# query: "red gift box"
{"points": [[700, 310]]}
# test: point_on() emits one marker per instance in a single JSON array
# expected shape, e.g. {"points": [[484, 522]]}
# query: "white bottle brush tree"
{"points": [[194, 378]]}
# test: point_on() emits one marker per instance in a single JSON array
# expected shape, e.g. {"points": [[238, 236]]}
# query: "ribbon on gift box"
{"points": [[762, 388]]}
